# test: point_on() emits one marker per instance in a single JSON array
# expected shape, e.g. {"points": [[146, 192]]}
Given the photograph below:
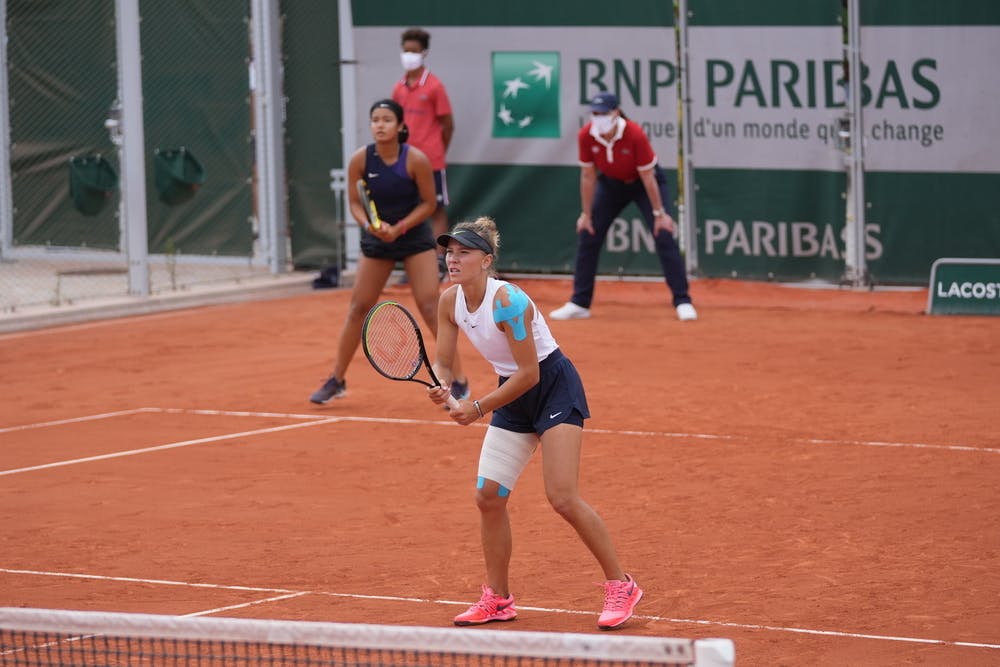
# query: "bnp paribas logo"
{"points": [[525, 94]]}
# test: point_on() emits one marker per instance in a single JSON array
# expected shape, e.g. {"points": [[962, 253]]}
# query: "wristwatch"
{"points": [[659, 211]]}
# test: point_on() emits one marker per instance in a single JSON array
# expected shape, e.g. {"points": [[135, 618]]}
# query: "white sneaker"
{"points": [[686, 312], [570, 311]]}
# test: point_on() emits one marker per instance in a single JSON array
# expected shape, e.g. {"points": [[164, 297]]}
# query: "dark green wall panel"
{"points": [[313, 142]]}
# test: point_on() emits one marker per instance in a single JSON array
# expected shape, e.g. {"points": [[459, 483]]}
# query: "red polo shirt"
{"points": [[422, 104], [622, 158]]}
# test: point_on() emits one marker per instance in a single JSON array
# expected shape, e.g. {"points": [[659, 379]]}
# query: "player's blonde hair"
{"points": [[485, 227]]}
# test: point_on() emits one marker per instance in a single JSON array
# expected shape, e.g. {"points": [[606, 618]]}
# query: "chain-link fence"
{"points": [[63, 237]]}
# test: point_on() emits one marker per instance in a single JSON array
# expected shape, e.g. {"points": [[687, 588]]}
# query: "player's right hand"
{"points": [[438, 395]]}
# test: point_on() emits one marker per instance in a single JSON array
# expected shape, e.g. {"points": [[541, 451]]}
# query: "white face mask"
{"points": [[604, 124], [411, 61]]}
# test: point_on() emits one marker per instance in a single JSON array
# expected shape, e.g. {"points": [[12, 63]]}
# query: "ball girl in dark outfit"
{"points": [[401, 182]]}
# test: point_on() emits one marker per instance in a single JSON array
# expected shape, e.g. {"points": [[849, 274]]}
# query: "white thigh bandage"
{"points": [[504, 456]]}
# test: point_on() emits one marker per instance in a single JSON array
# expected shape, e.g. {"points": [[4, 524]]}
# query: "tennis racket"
{"points": [[366, 202], [393, 344]]}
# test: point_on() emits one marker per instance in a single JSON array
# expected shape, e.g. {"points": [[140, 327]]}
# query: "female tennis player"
{"points": [[401, 183], [539, 398]]}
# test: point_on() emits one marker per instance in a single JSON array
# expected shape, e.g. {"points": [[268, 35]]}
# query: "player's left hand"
{"points": [[387, 233], [465, 413]]}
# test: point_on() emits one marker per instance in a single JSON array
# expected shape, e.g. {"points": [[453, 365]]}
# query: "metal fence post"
{"points": [[268, 99], [349, 88], [687, 219], [855, 269], [6, 185], [133, 169]]}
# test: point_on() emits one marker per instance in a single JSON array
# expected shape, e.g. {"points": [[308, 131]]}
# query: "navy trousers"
{"points": [[611, 196]]}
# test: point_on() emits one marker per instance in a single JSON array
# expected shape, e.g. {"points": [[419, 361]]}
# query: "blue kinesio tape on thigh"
{"points": [[502, 491], [514, 313]]}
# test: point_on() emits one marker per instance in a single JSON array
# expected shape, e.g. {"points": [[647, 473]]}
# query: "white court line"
{"points": [[74, 420], [293, 415], [247, 604], [914, 445], [157, 582], [172, 445], [316, 420], [808, 441], [286, 593], [655, 434], [238, 413]]}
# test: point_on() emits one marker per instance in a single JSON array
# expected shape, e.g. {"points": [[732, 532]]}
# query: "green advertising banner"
{"points": [[769, 95], [773, 225], [931, 158], [766, 84], [964, 286], [519, 77]]}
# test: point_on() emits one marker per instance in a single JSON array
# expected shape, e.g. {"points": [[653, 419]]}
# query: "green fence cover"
{"points": [[59, 99], [196, 94]]}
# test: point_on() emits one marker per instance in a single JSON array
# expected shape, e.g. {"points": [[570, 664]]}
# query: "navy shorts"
{"points": [[558, 398], [417, 240]]}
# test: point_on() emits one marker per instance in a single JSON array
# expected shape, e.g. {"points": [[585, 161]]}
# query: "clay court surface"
{"points": [[811, 473]]}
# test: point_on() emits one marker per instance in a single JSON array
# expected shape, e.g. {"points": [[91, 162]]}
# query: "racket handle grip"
{"points": [[452, 402]]}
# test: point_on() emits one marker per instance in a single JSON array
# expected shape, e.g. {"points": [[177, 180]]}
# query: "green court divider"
{"points": [[964, 286], [179, 174], [93, 183]]}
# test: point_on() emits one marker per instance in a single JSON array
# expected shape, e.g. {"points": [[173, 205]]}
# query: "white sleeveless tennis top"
{"points": [[490, 340]]}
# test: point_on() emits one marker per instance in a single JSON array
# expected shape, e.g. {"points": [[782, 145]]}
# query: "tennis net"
{"points": [[42, 637]]}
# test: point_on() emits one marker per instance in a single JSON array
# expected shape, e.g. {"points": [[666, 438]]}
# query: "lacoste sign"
{"points": [[964, 287]]}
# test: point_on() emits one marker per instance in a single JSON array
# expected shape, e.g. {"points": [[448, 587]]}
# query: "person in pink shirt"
{"points": [[428, 117]]}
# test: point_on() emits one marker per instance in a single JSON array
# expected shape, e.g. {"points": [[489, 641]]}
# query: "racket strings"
{"points": [[392, 344]]}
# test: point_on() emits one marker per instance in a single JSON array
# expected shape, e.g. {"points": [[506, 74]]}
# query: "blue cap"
{"points": [[604, 102]]}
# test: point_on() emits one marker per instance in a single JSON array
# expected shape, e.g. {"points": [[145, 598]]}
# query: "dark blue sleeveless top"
{"points": [[394, 192]]}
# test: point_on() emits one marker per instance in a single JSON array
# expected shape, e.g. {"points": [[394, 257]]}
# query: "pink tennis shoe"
{"points": [[491, 607], [620, 599]]}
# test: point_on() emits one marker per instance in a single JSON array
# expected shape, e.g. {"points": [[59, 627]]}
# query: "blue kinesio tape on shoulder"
{"points": [[514, 313]]}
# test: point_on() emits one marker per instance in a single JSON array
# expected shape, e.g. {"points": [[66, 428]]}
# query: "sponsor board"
{"points": [[964, 286], [775, 97]]}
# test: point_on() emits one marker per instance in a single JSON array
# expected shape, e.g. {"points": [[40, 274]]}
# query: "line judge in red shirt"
{"points": [[428, 116], [617, 167]]}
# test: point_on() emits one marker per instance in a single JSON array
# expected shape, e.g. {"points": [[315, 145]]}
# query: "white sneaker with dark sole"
{"points": [[686, 312], [570, 311]]}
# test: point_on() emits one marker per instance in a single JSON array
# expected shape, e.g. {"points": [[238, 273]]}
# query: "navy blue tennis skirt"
{"points": [[417, 240], [558, 398]]}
